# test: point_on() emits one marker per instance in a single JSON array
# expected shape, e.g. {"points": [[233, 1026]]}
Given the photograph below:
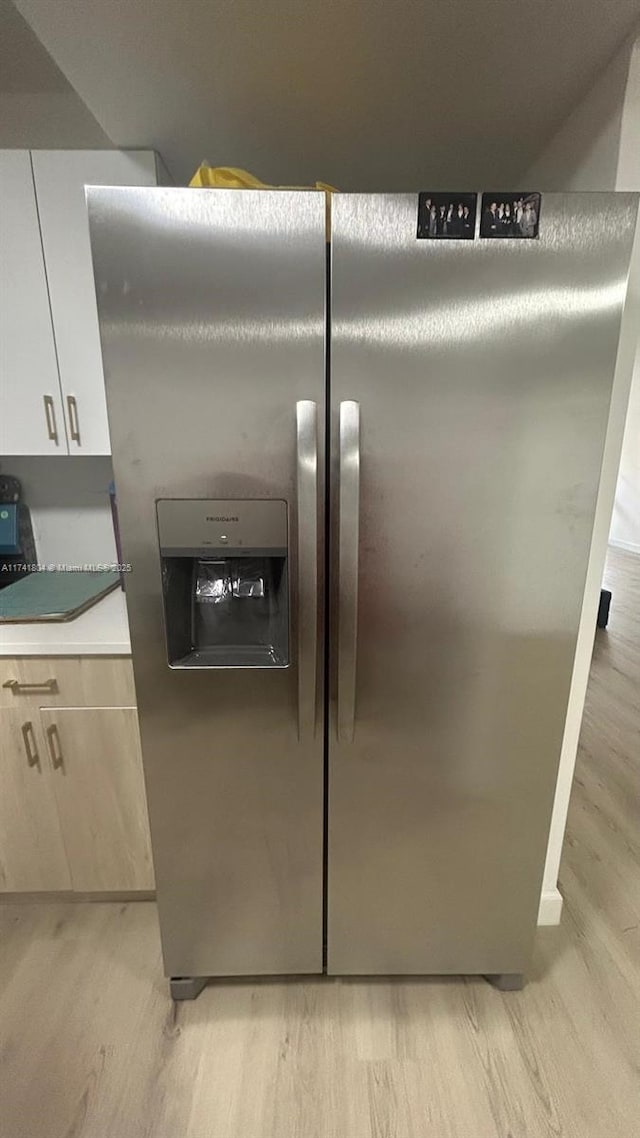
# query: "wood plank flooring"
{"points": [[93, 1048]]}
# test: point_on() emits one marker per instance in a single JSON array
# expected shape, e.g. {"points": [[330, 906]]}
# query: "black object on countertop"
{"points": [[14, 566]]}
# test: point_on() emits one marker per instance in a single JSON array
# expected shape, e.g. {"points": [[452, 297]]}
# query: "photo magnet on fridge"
{"points": [[510, 214], [446, 216]]}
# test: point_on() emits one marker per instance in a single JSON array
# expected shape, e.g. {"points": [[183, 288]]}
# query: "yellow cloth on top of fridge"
{"points": [[233, 178]]}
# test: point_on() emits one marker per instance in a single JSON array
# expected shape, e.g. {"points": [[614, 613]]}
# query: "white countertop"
{"points": [[103, 630]]}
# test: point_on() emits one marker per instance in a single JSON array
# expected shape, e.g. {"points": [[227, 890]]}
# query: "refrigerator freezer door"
{"points": [[212, 312], [484, 372]]}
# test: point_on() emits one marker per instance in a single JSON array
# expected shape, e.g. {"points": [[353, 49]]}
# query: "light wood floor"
{"points": [[93, 1048]]}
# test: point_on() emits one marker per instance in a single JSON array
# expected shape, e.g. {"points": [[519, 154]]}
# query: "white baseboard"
{"points": [[630, 546], [550, 909]]}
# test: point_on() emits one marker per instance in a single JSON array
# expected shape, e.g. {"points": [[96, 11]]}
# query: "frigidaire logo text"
{"points": [[220, 518]]}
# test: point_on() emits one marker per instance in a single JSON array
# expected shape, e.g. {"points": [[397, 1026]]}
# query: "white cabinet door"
{"points": [[32, 852], [60, 179], [31, 419], [97, 775]]}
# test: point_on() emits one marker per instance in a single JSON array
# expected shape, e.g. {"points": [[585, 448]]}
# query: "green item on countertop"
{"points": [[54, 596]]}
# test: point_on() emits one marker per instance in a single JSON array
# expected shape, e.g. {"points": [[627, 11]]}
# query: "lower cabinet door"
{"points": [[97, 774], [32, 851]]}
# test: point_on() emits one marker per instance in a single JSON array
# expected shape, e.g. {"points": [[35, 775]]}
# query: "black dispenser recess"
{"points": [[225, 582]]}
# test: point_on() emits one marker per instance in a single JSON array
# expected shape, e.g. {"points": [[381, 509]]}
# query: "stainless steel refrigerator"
{"points": [[356, 483]]}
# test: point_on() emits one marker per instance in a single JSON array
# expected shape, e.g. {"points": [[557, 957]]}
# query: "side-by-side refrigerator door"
{"points": [[471, 382], [212, 316]]}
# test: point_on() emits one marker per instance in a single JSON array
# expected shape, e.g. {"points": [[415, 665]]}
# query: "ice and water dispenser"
{"points": [[225, 582]]}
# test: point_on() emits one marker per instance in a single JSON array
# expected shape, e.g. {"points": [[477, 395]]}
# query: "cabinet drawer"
{"points": [[66, 681]]}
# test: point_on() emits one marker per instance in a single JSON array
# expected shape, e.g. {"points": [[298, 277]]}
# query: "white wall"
{"points": [[583, 155], [69, 502], [625, 526], [597, 149]]}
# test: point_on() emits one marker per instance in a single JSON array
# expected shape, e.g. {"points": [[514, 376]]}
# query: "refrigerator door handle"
{"points": [[307, 504], [348, 539]]}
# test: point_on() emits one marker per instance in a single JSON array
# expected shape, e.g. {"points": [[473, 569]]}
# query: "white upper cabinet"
{"points": [[31, 418], [60, 179]]}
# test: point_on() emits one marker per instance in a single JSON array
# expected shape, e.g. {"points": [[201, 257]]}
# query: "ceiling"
{"points": [[25, 65], [38, 105], [364, 94]]}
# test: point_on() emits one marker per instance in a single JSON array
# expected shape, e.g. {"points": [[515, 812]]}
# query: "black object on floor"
{"points": [[603, 608]]}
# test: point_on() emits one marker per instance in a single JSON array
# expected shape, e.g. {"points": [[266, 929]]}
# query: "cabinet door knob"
{"points": [[50, 415], [55, 750], [30, 747], [74, 424], [17, 688]]}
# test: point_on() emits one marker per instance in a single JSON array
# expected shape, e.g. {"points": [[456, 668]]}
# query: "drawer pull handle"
{"points": [[55, 750], [30, 747], [50, 415], [43, 685], [74, 424]]}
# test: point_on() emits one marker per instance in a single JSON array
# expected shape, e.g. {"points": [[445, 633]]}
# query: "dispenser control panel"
{"points": [[189, 527]]}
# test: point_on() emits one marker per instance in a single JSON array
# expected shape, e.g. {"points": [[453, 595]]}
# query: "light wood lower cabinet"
{"points": [[97, 776], [73, 811], [32, 851]]}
